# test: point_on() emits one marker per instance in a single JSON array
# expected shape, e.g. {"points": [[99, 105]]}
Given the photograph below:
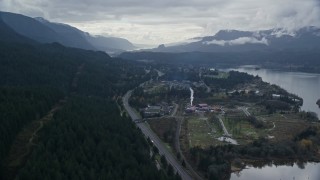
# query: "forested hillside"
{"points": [[86, 138], [89, 140], [303, 61]]}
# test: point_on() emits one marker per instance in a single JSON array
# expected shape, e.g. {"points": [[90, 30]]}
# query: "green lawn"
{"points": [[241, 129], [221, 75], [199, 133]]}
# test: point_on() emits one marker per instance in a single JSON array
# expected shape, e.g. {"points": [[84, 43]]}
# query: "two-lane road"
{"points": [[156, 141], [245, 111], [226, 133]]}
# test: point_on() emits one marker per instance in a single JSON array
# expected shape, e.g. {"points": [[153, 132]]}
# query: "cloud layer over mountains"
{"points": [[154, 21], [238, 41]]}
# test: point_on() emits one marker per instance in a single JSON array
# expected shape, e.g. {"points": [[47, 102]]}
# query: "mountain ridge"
{"points": [[72, 35], [9, 35], [44, 31], [240, 41]]}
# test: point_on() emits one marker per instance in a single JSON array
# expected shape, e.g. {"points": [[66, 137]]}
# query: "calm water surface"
{"points": [[310, 171], [305, 85]]}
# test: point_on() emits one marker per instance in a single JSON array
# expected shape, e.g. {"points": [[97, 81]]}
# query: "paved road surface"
{"points": [[226, 133], [245, 111], [159, 73], [175, 109], [156, 141]]}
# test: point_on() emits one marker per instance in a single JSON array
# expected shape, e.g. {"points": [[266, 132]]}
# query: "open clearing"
{"points": [[286, 126], [199, 132]]}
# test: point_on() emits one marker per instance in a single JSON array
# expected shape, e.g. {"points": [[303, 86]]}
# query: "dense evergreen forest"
{"points": [[303, 61], [18, 107], [235, 78], [87, 138]]}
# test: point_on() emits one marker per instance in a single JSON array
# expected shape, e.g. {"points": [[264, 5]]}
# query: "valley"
{"points": [[239, 110], [162, 90]]}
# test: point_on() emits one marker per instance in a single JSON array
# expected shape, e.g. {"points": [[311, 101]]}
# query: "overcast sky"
{"points": [[165, 21]]}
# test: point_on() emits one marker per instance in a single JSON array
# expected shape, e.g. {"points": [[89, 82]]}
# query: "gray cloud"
{"points": [[164, 21], [239, 41]]}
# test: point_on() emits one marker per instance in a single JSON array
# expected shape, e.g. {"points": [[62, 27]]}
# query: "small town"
{"points": [[220, 108]]}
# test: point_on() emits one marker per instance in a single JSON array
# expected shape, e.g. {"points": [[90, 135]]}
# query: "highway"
{"points": [[155, 139]]}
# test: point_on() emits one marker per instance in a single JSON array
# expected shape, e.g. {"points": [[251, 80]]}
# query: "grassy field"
{"points": [[241, 129], [199, 133], [216, 126], [203, 132], [285, 126], [237, 124], [221, 75]]}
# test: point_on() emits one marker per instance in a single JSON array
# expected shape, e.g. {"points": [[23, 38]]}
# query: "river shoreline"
{"points": [[305, 85], [291, 170], [290, 68], [260, 162]]}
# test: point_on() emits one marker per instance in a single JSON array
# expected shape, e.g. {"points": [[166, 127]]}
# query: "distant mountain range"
{"points": [[274, 49], [307, 38], [44, 31]]}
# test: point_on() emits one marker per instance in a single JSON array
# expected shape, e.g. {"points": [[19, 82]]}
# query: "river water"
{"points": [[310, 171], [305, 85]]}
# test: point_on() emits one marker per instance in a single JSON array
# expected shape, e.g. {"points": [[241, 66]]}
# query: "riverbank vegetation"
{"points": [[215, 162]]}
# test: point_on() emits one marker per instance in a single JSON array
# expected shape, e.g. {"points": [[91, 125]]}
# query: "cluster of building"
{"points": [[203, 108], [158, 110], [245, 91], [151, 87], [177, 84], [278, 96]]}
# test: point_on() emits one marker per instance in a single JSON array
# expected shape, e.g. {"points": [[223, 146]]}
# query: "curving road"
{"points": [[156, 141]]}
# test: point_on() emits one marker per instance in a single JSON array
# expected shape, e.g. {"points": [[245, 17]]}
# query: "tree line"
{"points": [[216, 162]]}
